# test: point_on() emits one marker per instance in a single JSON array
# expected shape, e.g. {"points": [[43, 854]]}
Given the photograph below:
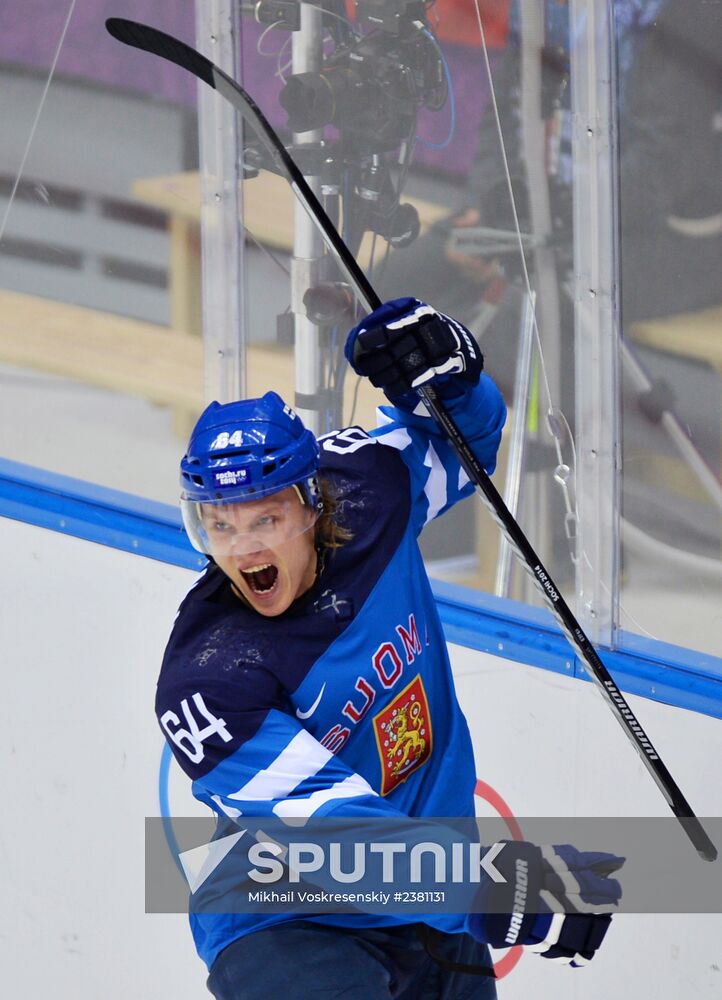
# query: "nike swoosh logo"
{"points": [[307, 714]]}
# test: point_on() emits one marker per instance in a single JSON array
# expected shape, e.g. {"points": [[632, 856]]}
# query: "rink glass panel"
{"points": [[671, 313], [92, 383], [110, 206], [583, 268], [442, 158]]}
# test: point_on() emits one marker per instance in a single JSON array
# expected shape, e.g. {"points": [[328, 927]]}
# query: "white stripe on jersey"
{"points": [[349, 788], [229, 811], [300, 759], [436, 484], [463, 479], [399, 439]]}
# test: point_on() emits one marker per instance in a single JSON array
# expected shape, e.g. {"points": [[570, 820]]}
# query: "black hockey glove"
{"points": [[405, 343], [555, 900]]}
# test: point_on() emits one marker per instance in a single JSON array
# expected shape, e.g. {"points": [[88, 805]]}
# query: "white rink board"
{"points": [[84, 629]]}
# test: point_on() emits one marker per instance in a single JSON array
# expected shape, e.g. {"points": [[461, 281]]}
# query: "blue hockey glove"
{"points": [[556, 900], [405, 343]]}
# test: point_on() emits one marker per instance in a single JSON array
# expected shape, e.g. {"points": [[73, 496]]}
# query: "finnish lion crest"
{"points": [[403, 735]]}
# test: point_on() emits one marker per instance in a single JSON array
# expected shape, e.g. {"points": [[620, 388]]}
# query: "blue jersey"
{"points": [[345, 702]]}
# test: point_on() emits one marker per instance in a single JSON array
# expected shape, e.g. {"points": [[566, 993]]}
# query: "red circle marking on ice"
{"points": [[505, 965]]}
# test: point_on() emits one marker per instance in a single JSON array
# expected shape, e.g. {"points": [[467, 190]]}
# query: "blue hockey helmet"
{"points": [[244, 451]]}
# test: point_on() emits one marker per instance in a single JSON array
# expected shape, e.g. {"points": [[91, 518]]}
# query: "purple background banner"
{"points": [[30, 31]]}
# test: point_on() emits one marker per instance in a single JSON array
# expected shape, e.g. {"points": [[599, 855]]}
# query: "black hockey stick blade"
{"points": [[158, 43], [143, 36]]}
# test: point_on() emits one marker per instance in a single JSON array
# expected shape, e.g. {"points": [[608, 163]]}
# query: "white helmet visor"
{"points": [[241, 529]]}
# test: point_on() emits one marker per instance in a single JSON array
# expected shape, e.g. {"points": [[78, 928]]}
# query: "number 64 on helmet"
{"points": [[243, 452]]}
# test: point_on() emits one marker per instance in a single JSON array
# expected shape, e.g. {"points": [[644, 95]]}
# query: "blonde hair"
{"points": [[330, 532]]}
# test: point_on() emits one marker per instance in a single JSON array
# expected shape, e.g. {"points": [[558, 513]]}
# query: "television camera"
{"points": [[364, 100]]}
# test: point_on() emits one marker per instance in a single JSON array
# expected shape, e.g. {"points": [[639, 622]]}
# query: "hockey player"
{"points": [[313, 626]]}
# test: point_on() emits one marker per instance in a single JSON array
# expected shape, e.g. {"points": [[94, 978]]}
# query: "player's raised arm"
{"points": [[402, 346]]}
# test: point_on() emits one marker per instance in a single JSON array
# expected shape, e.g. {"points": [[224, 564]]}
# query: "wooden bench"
{"points": [[163, 366], [74, 230], [267, 216], [142, 359], [696, 335]]}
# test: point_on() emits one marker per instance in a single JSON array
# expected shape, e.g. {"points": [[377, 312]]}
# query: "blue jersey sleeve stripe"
{"points": [[417, 453], [436, 489], [277, 759], [298, 781], [304, 806], [437, 479], [216, 802], [389, 433], [430, 462], [300, 759]]}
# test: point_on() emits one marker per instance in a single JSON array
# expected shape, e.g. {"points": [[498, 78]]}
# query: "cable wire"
{"points": [[452, 100], [520, 244], [36, 120], [259, 42]]}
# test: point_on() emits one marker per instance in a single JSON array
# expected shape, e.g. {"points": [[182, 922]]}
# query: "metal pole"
{"points": [[596, 318], [512, 487], [308, 249], [540, 490], [221, 142]]}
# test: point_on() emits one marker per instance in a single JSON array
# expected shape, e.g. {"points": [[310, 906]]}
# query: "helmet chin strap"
{"points": [[313, 490]]}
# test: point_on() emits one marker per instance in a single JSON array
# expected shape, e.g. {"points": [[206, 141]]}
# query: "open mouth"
{"points": [[261, 579]]}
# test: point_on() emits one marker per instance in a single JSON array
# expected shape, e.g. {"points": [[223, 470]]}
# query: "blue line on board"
{"points": [[670, 674]]}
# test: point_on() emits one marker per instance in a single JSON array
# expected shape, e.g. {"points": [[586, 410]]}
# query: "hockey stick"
{"points": [[158, 43]]}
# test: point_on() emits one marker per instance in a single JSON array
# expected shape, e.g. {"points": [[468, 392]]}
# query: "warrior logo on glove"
{"points": [[557, 901]]}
